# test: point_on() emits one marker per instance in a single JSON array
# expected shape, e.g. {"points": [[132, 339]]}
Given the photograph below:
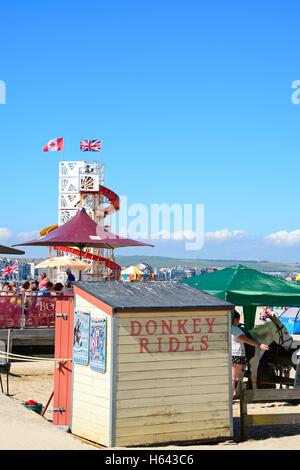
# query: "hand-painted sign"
{"points": [[173, 335], [98, 345], [81, 338]]}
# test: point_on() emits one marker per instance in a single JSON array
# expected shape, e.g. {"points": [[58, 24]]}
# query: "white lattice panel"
{"points": [[69, 186], [66, 215], [88, 202], [74, 176], [89, 183], [70, 169], [69, 201]]}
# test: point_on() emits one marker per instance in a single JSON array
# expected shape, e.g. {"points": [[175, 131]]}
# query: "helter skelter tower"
{"points": [[81, 185]]}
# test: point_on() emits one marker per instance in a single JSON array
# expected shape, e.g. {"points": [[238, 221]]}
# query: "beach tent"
{"points": [[248, 288], [132, 274], [290, 318]]}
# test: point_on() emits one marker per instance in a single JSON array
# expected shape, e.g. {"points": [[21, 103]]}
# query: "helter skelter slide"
{"points": [[80, 186]]}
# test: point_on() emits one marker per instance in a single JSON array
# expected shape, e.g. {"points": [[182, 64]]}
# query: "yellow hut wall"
{"points": [[183, 395], [91, 390]]}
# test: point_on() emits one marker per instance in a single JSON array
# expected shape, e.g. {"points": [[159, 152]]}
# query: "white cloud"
{"points": [[5, 233], [224, 235], [25, 236], [184, 235], [179, 235], [284, 238]]}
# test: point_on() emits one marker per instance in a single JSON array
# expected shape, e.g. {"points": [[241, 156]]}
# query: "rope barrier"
{"points": [[30, 358]]}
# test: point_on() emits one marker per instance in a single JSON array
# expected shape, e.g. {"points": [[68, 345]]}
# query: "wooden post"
{"points": [[243, 416], [239, 385], [8, 349], [261, 395], [80, 257]]}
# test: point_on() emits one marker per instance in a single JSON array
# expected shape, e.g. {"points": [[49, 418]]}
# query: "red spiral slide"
{"points": [[113, 207], [74, 251], [113, 199]]}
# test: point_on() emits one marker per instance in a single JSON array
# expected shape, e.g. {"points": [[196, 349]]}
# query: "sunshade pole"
{"points": [[80, 257]]}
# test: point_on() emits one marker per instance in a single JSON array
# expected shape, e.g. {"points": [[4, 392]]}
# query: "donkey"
{"points": [[271, 331]]}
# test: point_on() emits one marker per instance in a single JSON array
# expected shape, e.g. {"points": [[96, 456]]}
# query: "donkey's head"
{"points": [[281, 335]]}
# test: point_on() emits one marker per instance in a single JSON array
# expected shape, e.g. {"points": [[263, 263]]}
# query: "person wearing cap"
{"points": [[71, 277]]}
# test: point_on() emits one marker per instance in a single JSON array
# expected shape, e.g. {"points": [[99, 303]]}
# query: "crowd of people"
{"points": [[42, 287]]}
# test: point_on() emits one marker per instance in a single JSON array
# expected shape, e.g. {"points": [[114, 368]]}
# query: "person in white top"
{"points": [[238, 349]]}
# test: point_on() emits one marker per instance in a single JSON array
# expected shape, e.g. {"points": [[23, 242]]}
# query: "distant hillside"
{"points": [[160, 262]]}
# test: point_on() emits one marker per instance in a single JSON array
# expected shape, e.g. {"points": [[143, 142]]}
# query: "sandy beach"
{"points": [[23, 429], [34, 381]]}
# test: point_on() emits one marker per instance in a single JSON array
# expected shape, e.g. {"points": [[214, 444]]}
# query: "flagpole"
{"points": [[63, 150]]}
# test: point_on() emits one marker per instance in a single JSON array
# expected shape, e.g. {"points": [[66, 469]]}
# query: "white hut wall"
{"points": [[173, 379], [91, 390]]}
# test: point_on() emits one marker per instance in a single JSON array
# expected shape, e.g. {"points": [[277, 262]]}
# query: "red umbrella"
{"points": [[82, 232]]}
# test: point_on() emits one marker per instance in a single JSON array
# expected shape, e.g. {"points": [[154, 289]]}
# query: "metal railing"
{"points": [[28, 311]]}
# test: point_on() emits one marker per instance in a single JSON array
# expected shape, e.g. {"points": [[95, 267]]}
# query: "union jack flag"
{"points": [[9, 270], [90, 145]]}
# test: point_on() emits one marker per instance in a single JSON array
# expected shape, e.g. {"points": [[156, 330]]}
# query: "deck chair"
{"points": [[5, 363]]}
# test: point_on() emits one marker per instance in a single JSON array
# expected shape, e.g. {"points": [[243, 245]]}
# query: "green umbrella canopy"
{"points": [[247, 287]]}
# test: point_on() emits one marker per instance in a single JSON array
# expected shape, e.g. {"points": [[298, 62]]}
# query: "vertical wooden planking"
{"points": [[63, 372], [57, 354], [91, 400], [243, 417], [113, 382], [167, 342]]}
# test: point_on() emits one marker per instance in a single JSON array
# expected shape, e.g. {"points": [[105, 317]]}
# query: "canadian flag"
{"points": [[55, 145]]}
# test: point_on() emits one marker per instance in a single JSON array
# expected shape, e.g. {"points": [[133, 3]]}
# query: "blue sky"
{"points": [[193, 103]]}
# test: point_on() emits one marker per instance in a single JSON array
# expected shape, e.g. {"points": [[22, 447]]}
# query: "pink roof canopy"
{"points": [[81, 231]]}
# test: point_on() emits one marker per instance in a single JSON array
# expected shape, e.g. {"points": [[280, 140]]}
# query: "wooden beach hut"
{"points": [[151, 364]]}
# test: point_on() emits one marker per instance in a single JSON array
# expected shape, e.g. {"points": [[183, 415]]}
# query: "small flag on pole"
{"points": [[90, 145], [55, 145]]}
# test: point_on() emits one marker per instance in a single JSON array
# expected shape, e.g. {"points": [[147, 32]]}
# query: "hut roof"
{"points": [[151, 296]]}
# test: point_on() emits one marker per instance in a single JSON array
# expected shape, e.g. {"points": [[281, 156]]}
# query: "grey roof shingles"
{"points": [[151, 296]]}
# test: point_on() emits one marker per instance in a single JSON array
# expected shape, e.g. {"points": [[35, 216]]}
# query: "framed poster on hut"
{"points": [[98, 345], [81, 338]]}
